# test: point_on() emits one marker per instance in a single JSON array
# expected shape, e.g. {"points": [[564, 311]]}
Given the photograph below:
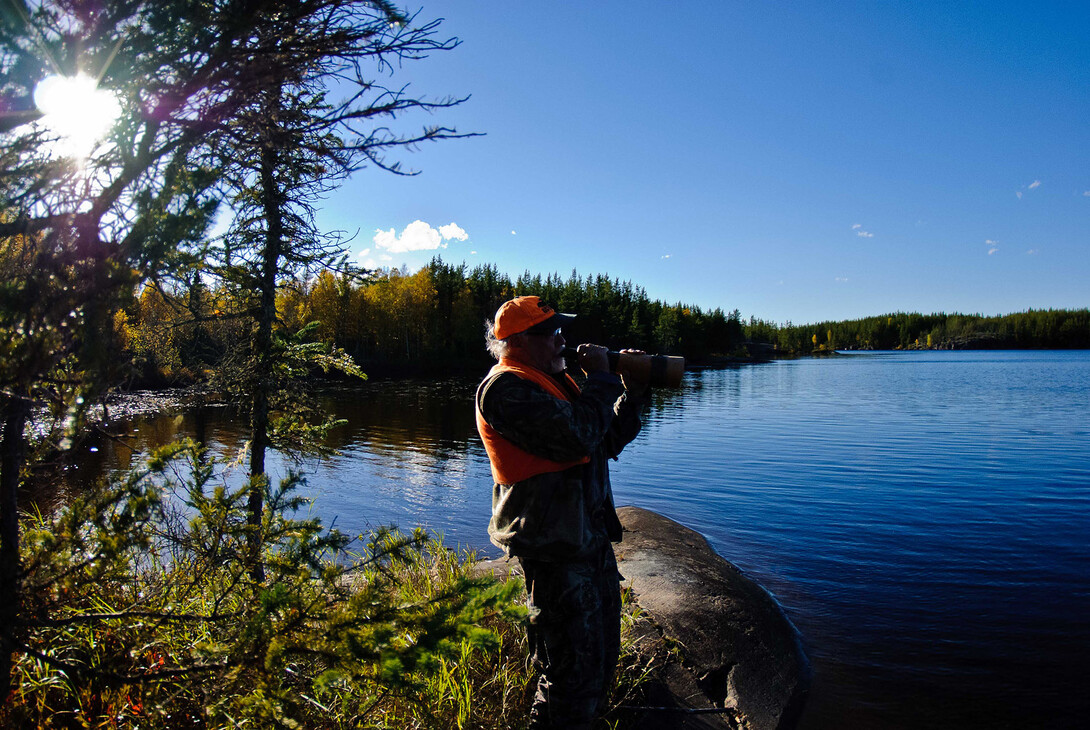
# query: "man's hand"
{"points": [[593, 358], [634, 385]]}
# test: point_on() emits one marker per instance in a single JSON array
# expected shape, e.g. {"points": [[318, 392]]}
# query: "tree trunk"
{"points": [[12, 449], [266, 316]]}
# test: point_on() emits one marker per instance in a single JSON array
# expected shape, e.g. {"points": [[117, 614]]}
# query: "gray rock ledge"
{"points": [[739, 652], [727, 655]]}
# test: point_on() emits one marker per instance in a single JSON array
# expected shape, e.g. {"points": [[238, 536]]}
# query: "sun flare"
{"points": [[78, 111]]}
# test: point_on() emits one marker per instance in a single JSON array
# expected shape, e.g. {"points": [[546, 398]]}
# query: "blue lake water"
{"points": [[922, 517]]}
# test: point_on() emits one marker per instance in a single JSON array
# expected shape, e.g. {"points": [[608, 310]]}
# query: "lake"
{"points": [[922, 517]]}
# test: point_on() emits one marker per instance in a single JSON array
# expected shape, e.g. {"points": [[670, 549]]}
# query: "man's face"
{"points": [[544, 352]]}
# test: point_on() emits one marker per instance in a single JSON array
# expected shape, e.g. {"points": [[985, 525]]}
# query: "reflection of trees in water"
{"points": [[409, 452], [419, 417], [408, 446], [407, 415]]}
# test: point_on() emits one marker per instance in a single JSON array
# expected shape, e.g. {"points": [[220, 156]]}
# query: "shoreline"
{"points": [[740, 652], [739, 662]]}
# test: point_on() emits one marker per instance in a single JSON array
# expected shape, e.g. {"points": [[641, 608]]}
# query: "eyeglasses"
{"points": [[553, 333]]}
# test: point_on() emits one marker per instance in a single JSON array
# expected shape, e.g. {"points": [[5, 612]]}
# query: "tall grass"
{"points": [[139, 610]]}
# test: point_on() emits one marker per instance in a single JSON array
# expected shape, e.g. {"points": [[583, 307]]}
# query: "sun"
{"points": [[77, 111]]}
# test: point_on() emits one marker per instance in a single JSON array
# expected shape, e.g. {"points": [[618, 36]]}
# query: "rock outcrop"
{"points": [[726, 656], [739, 653]]}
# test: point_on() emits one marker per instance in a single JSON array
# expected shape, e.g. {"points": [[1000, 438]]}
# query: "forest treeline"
{"points": [[1058, 329], [396, 321]]}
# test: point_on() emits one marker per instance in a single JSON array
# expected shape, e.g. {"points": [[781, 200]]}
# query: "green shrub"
{"points": [[140, 610]]}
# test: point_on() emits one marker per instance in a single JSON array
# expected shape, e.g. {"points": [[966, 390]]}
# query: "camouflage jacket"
{"points": [[564, 514]]}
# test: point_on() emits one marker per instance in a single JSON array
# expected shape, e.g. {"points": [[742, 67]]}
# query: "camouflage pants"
{"points": [[575, 637]]}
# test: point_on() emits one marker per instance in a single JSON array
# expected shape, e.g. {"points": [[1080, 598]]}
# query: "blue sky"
{"points": [[798, 161]]}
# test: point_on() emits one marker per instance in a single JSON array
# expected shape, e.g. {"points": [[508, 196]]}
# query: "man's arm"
{"points": [[550, 427], [626, 423]]}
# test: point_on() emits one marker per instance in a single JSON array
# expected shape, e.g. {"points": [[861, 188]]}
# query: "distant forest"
{"points": [[394, 321], [1044, 329]]}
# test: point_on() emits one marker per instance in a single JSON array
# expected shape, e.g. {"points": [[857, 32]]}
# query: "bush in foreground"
{"points": [[139, 610]]}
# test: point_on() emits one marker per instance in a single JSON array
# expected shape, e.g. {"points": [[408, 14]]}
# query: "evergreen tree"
{"points": [[79, 229], [318, 112], [220, 99]]}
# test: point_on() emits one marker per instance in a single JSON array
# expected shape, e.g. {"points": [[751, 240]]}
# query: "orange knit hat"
{"points": [[522, 313]]}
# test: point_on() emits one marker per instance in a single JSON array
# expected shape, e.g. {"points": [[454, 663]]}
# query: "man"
{"points": [[549, 443]]}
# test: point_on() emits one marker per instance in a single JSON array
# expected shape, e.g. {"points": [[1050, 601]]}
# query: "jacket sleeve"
{"points": [[626, 422], [535, 421]]}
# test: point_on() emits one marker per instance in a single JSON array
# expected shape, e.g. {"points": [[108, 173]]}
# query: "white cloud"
{"points": [[1086, 193], [453, 230], [366, 260], [841, 279], [666, 256], [386, 257], [857, 226], [1031, 252], [864, 234], [472, 253], [990, 242], [1032, 186], [513, 233], [992, 250], [418, 236]]}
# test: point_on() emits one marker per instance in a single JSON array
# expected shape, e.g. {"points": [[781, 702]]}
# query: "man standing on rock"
{"points": [[549, 443]]}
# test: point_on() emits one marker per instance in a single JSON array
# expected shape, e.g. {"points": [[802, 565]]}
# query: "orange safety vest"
{"points": [[511, 464]]}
